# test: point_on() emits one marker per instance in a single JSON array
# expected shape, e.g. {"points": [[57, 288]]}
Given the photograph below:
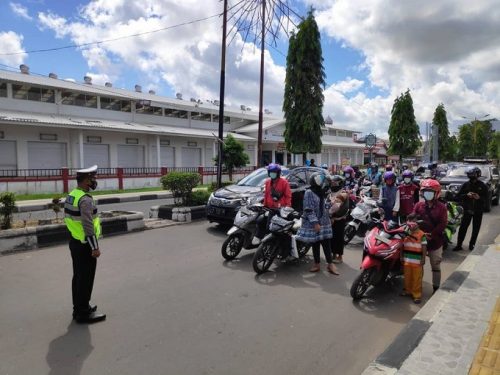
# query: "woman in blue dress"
{"points": [[316, 226]]}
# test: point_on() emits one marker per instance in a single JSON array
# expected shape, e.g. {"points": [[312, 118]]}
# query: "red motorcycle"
{"points": [[381, 256]]}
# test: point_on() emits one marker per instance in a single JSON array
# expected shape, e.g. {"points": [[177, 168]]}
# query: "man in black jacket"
{"points": [[473, 195]]}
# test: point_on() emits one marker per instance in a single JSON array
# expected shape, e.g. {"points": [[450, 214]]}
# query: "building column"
{"points": [[80, 146], [204, 145], [158, 153], [339, 157], [285, 157], [256, 151], [273, 158]]}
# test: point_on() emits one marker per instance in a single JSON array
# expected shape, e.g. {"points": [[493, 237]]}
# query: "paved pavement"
{"points": [[458, 330]]}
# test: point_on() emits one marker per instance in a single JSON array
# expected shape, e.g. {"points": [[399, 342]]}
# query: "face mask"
{"points": [[93, 184], [347, 175], [407, 180], [273, 175], [428, 195]]}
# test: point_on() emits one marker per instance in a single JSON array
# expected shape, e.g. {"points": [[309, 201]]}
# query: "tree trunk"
{"points": [[304, 158]]}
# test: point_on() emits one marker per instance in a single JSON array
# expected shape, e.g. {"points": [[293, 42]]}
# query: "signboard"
{"points": [[371, 140], [280, 147], [346, 162]]}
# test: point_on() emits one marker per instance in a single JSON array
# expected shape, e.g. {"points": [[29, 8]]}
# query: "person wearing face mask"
{"points": [[406, 196], [387, 197], [85, 228], [350, 184], [473, 194], [277, 194], [434, 216]]}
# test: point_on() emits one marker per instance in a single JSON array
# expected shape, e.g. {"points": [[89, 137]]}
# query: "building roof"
{"points": [[265, 125], [342, 144], [156, 100], [58, 121]]}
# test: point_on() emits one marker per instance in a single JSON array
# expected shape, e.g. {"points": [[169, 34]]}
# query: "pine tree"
{"points": [[234, 155], [441, 122], [303, 98], [404, 134]]}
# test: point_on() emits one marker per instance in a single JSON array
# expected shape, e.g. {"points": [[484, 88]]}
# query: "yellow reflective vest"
{"points": [[73, 216]]}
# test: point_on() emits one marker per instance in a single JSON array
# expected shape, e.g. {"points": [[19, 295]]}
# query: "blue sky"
{"points": [[373, 51]]}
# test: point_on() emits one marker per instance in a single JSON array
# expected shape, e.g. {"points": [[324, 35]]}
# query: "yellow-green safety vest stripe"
{"points": [[73, 216]]}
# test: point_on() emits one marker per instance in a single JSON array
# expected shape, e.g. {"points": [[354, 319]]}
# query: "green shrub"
{"points": [[213, 186], [198, 198], [181, 185], [7, 207]]}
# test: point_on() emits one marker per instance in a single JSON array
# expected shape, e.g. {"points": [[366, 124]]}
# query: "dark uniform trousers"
{"points": [[476, 218], [84, 266]]}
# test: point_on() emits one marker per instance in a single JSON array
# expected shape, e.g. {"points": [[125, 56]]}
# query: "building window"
{"points": [[148, 109], [3, 89], [340, 133], [34, 93], [94, 139], [78, 99], [114, 104], [200, 116], [170, 112], [227, 120]]}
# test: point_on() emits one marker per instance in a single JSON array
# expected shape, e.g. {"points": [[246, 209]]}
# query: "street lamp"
{"points": [[475, 121]]}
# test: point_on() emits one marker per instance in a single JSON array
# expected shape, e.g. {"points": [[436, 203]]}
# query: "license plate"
{"points": [[217, 211]]}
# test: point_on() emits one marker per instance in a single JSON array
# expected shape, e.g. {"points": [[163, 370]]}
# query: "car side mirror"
{"points": [[293, 185]]}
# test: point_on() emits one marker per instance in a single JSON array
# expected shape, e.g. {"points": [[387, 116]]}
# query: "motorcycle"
{"points": [[381, 256], [455, 213], [277, 243], [363, 217], [243, 230]]}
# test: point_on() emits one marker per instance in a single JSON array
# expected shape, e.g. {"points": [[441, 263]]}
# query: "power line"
{"points": [[109, 40]]}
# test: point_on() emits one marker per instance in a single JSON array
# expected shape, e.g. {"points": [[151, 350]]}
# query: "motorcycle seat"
{"points": [[392, 227]]}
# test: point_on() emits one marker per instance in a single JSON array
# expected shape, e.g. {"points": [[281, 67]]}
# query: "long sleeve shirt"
{"points": [[471, 204], [87, 208], [434, 219], [282, 193]]}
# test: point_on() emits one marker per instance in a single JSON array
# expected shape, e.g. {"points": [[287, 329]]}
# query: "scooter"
{"points": [[381, 256], [243, 230], [455, 213], [362, 218], [278, 243]]}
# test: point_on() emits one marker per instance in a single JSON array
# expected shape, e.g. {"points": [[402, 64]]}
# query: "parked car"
{"points": [[457, 175], [225, 202]]}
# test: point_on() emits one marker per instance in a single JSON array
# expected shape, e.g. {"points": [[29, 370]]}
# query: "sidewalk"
{"points": [[458, 330], [43, 204]]}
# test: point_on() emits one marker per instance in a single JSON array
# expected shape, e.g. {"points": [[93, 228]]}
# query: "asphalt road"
{"points": [[175, 307]]}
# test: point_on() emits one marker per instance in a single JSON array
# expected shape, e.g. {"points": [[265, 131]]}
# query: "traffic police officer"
{"points": [[85, 227]]}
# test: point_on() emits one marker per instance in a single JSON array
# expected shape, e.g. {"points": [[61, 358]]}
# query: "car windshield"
{"points": [[461, 171], [257, 178]]}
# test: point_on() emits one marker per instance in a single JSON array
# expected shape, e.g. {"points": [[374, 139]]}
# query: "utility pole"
{"points": [[221, 97], [261, 96], [435, 142]]}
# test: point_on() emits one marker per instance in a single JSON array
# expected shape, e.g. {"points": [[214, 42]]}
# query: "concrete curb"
{"points": [[390, 361], [99, 201], [32, 238]]}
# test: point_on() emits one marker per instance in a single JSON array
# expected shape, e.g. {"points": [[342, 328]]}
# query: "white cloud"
{"points": [[20, 10], [12, 42], [348, 85], [187, 58], [444, 51]]}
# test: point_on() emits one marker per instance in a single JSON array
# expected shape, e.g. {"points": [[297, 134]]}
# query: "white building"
{"points": [[49, 123]]}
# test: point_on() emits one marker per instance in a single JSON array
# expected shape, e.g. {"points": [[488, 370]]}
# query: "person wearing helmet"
{"points": [[338, 214], [473, 194], [324, 166], [350, 184], [277, 194], [376, 176], [434, 216], [406, 196], [387, 197], [316, 228], [433, 169], [357, 172], [388, 168]]}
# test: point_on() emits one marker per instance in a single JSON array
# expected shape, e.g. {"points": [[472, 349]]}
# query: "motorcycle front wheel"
{"points": [[264, 256], [349, 233], [232, 246], [361, 284]]}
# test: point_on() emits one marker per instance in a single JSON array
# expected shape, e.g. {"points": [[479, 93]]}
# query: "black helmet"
{"points": [[473, 172], [319, 181], [337, 182]]}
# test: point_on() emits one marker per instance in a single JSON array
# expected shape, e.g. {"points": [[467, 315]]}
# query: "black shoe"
{"points": [[93, 317], [434, 289], [471, 247], [91, 309], [458, 248]]}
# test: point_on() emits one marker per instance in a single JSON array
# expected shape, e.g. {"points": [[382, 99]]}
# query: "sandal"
{"points": [[315, 268], [417, 301], [332, 269]]}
